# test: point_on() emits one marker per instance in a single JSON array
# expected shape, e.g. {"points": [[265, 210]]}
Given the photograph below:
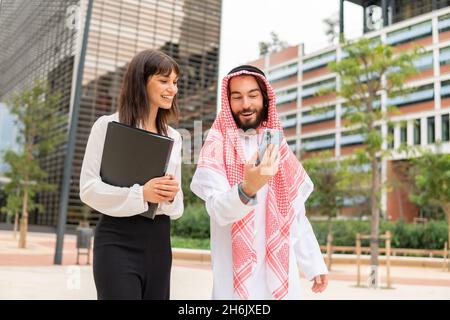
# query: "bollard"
{"points": [[388, 261], [329, 250], [446, 255], [358, 253], [84, 238]]}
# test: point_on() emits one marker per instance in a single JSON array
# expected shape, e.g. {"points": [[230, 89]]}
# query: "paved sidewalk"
{"points": [[76, 283], [30, 274], [39, 252]]}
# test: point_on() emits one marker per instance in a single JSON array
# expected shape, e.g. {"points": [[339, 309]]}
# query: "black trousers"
{"points": [[132, 258]]}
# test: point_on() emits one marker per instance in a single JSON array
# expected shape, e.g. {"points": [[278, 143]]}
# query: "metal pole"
{"points": [[384, 11], [434, 5], [66, 182], [364, 19], [445, 256], [388, 261], [341, 20], [329, 250], [358, 257]]}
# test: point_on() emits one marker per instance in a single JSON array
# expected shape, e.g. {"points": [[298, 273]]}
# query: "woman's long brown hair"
{"points": [[134, 108]]}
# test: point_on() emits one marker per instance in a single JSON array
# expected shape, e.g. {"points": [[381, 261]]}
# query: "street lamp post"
{"points": [[66, 182]]}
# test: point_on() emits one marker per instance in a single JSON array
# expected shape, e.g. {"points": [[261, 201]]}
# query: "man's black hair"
{"points": [[247, 68]]}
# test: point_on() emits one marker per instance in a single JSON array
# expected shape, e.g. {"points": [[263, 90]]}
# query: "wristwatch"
{"points": [[245, 198]]}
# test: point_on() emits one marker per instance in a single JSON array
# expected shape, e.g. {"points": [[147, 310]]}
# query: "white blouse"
{"points": [[225, 207], [122, 201]]}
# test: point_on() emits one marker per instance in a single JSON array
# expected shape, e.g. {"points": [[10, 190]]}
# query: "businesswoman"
{"points": [[132, 253]]}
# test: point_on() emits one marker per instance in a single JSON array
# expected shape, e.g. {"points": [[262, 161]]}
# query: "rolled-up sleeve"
{"points": [[175, 208], [223, 203], [103, 197]]}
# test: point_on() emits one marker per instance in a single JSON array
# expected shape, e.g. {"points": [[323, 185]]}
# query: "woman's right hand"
{"points": [[161, 189]]}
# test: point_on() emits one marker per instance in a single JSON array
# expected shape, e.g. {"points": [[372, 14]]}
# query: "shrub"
{"points": [[404, 235], [193, 224]]}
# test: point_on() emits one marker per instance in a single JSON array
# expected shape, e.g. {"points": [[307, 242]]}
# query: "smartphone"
{"points": [[268, 136]]}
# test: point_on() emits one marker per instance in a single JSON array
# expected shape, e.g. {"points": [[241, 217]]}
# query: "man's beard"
{"points": [[254, 124]]}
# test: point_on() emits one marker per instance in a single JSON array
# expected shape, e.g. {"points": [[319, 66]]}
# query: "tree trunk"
{"points": [[374, 224], [399, 201], [446, 208], [24, 221], [16, 224], [448, 227]]}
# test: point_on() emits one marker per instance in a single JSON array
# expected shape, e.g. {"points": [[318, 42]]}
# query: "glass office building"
{"points": [[378, 13], [49, 34]]}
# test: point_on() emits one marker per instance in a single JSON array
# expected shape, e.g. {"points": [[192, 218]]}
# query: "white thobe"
{"points": [[122, 201], [225, 207]]}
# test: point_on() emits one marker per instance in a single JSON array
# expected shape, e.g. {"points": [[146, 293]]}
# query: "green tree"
{"points": [[334, 180], [13, 204], [36, 109], [328, 195], [327, 175], [189, 198], [430, 173], [272, 46], [370, 70]]}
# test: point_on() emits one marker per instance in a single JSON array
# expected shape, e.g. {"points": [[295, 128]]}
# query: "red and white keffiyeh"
{"points": [[223, 153]]}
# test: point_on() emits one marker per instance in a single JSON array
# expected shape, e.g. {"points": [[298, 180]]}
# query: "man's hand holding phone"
{"points": [[256, 176]]}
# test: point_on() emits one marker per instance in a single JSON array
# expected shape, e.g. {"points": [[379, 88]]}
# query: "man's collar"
{"points": [[247, 133]]}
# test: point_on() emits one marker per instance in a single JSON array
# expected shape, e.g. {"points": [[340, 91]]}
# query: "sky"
{"points": [[247, 22]]}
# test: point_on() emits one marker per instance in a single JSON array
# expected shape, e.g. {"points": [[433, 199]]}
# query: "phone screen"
{"points": [[269, 136]]}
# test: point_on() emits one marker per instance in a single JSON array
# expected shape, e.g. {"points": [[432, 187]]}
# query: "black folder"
{"points": [[132, 155]]}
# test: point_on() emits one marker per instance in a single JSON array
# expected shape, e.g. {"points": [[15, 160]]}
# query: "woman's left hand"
{"points": [[167, 188]]}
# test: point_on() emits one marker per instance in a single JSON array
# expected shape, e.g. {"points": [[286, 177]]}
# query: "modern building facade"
{"points": [[36, 44], [382, 13], [50, 34], [423, 117]]}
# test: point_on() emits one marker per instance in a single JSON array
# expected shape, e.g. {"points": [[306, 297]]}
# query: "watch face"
{"points": [[268, 136]]}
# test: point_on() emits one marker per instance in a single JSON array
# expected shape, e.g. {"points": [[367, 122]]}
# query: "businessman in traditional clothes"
{"points": [[260, 235]]}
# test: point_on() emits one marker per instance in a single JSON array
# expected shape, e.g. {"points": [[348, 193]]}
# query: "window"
{"points": [[390, 137], [445, 127], [444, 56], [445, 89], [375, 41], [283, 72], [286, 96], [417, 131], [444, 23], [353, 201], [315, 116], [318, 143], [289, 120], [347, 110], [410, 33], [430, 130], [424, 62], [292, 145], [421, 94], [403, 135], [318, 61], [311, 89], [349, 138]]}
